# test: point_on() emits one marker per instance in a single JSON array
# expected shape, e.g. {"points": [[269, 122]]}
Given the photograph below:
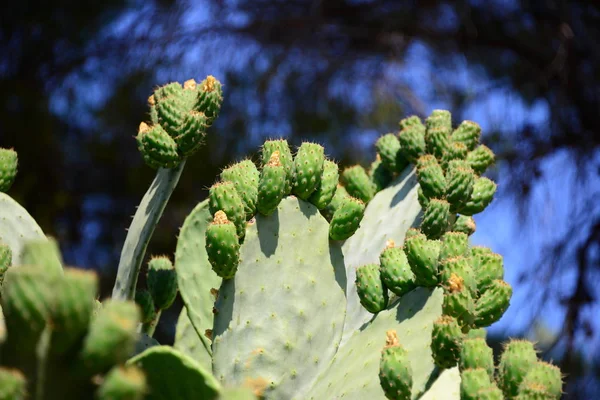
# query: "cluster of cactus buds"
{"points": [[244, 191], [180, 116]]}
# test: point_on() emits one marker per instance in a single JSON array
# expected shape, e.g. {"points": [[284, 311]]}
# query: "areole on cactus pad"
{"points": [[296, 285]]}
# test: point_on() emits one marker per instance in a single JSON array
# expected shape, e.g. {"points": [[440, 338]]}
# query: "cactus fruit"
{"points": [[543, 375], [483, 194], [326, 189], [446, 342], [143, 299], [472, 382], [162, 282], [478, 333], [222, 246], [245, 178], [308, 166], [388, 148], [453, 267], [436, 218], [458, 302], [12, 385], [488, 266], [517, 358], [358, 184], [346, 219], [158, 149], [210, 98], [464, 224], [371, 290], [271, 187], [395, 270], [379, 174], [467, 133], [123, 383], [224, 197], [395, 371], [454, 244], [493, 303], [340, 197], [460, 182], [412, 141], [422, 255], [431, 177], [475, 353], [437, 139], [480, 159], [9, 162], [285, 158], [191, 133]]}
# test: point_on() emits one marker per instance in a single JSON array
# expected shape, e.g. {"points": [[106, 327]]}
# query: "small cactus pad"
{"points": [[123, 383], [475, 353], [271, 187], [223, 197], [326, 189], [472, 381], [493, 303], [308, 165], [446, 341], [143, 299], [9, 162], [395, 371], [162, 282], [395, 270], [371, 290], [422, 256], [516, 360], [159, 150], [346, 219], [467, 133], [285, 158], [112, 336], [222, 246], [357, 183], [245, 176]]}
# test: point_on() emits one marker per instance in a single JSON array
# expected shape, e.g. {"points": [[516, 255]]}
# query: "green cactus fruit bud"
{"points": [[27, 293], [517, 358], [454, 151], [245, 176], [533, 391], [13, 385], [72, 308], [224, 197], [422, 255], [395, 270], [437, 135], [436, 218], [168, 90], [475, 353], [191, 133], [488, 266], [379, 174], [325, 191], [412, 142], [123, 383], [483, 194], [9, 162], [490, 393], [477, 333], [472, 381], [454, 244], [388, 148], [112, 336], [285, 157], [411, 232], [467, 133], [143, 299], [423, 200], [480, 159], [159, 150], [413, 120], [458, 302], [308, 166], [459, 266], [171, 111], [371, 290], [5, 260], [162, 282], [446, 341], [460, 182], [464, 224], [358, 184], [493, 303], [271, 186], [340, 197], [431, 177], [210, 98], [346, 219], [440, 119], [222, 246], [395, 370], [544, 375]]}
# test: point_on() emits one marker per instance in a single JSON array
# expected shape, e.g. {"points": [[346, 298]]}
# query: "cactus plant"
{"points": [[293, 284]]}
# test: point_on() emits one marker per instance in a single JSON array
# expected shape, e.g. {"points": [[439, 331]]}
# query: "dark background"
{"points": [[75, 76]]}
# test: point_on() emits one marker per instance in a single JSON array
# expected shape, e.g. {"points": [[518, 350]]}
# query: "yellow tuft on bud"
{"points": [[220, 218], [455, 283], [391, 339], [143, 128], [209, 84], [390, 244], [189, 84], [274, 160], [151, 100]]}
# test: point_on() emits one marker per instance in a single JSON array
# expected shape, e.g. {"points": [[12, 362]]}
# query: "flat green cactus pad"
{"points": [[188, 342], [172, 375], [17, 227]]}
